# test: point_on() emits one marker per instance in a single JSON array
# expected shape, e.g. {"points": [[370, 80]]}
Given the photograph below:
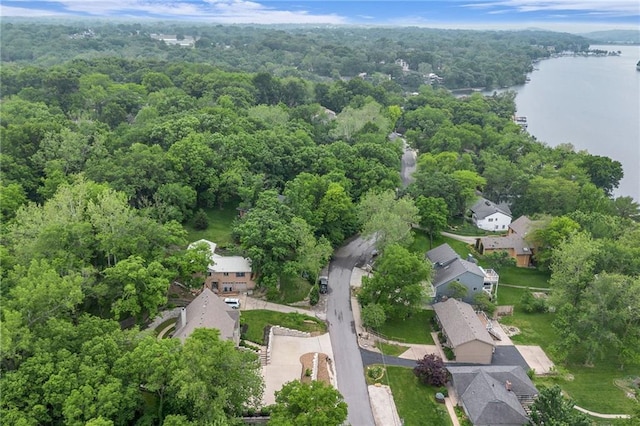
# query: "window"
{"points": [[239, 274], [504, 226], [474, 289], [490, 219], [226, 274], [209, 273]]}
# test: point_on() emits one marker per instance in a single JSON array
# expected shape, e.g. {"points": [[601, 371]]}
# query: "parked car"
{"points": [[323, 280], [233, 303]]}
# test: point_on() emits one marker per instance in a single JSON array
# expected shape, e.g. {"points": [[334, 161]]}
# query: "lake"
{"points": [[592, 103]]}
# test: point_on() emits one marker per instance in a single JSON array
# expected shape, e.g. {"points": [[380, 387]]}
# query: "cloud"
{"points": [[610, 7], [221, 11]]}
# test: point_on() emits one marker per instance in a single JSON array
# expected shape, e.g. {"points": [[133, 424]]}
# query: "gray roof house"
{"points": [[490, 216], [448, 267], [465, 333], [493, 395], [515, 243], [209, 311]]}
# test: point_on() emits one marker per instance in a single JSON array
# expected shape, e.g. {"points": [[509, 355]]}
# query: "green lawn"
{"points": [[391, 350], [416, 329], [220, 224], [593, 388], [590, 387], [415, 402], [420, 244], [526, 277], [258, 319], [292, 289]]}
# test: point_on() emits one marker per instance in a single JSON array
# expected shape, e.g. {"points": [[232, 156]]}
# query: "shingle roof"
{"points": [[460, 323], [483, 208], [483, 392], [224, 263], [521, 226], [209, 311], [448, 265], [442, 254], [513, 241]]}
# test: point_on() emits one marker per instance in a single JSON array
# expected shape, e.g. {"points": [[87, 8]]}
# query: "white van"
{"points": [[233, 303]]}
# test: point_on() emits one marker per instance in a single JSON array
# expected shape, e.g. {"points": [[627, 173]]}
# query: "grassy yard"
{"points": [[416, 329], [526, 277], [220, 224], [292, 289], [257, 320], [391, 350], [421, 244], [415, 402], [590, 387]]}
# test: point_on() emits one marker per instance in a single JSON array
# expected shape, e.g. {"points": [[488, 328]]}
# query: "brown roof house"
{"points": [[227, 274], [448, 268], [464, 332], [209, 311], [515, 243], [494, 395]]}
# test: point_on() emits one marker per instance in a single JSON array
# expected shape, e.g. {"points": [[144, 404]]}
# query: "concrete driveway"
{"points": [[285, 363], [536, 358]]}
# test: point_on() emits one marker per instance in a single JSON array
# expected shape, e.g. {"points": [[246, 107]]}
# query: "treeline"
{"points": [[462, 58]]}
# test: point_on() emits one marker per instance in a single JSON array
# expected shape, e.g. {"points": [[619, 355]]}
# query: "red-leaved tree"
{"points": [[431, 370]]}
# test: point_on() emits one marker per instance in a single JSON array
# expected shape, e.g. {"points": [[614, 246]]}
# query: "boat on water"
{"points": [[638, 66]]}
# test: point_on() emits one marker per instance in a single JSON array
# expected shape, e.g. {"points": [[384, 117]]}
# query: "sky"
{"points": [[558, 15]]}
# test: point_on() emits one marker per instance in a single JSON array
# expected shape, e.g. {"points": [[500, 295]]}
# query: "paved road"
{"points": [[370, 357], [408, 164], [346, 353]]}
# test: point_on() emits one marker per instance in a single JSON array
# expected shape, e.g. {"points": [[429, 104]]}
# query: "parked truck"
{"points": [[323, 280]]}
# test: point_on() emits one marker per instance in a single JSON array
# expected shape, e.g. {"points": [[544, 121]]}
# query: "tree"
{"points": [[551, 408], [604, 172], [201, 220], [138, 288], [431, 371], [482, 302], [626, 207], [550, 236], [433, 215], [398, 282], [457, 290], [214, 380], [386, 218], [373, 316], [308, 404], [498, 260]]}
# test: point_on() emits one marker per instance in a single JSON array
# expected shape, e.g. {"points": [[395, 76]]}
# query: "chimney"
{"points": [[508, 385], [183, 318]]}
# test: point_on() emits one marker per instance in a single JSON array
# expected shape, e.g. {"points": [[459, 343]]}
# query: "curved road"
{"points": [[346, 353]]}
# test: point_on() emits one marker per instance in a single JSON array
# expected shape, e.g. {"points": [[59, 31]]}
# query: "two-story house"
{"points": [[448, 268], [227, 274], [490, 216]]}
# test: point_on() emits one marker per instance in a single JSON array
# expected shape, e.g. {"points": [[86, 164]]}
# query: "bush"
{"points": [[431, 371], [200, 220], [448, 352], [314, 296], [531, 304]]}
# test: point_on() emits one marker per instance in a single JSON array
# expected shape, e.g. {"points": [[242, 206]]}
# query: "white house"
{"points": [[227, 274], [490, 216]]}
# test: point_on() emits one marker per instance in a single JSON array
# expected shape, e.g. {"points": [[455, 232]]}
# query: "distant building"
{"points": [[227, 274], [187, 41], [490, 216], [448, 268]]}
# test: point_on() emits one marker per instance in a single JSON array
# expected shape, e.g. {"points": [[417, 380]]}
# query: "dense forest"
{"points": [[463, 59], [111, 143]]}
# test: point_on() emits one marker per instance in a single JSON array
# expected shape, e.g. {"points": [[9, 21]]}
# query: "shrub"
{"points": [[314, 296], [200, 220], [531, 304], [373, 316], [431, 371], [484, 303], [448, 352]]}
